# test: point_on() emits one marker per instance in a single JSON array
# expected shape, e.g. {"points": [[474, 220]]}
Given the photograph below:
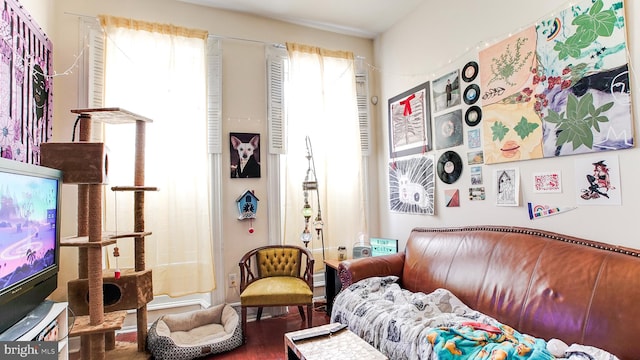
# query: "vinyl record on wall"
{"points": [[470, 71], [449, 167], [473, 115], [471, 94]]}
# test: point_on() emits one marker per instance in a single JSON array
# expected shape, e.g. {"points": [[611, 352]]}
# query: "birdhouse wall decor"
{"points": [[247, 205]]}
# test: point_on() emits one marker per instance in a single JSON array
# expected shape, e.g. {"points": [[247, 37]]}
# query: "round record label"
{"points": [[449, 167], [470, 71], [471, 94], [473, 115]]}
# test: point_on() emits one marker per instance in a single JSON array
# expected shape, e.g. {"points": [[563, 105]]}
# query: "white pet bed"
{"points": [[194, 334]]}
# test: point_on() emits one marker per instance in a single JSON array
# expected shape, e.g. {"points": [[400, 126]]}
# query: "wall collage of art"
{"points": [[559, 87]]}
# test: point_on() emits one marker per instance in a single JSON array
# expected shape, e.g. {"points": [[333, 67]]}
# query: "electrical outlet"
{"points": [[233, 280]]}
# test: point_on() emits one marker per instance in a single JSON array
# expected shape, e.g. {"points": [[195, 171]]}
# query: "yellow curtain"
{"points": [[321, 93], [166, 29], [302, 48], [161, 74]]}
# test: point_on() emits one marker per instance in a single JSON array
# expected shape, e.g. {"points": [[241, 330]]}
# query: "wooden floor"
{"points": [[265, 339]]}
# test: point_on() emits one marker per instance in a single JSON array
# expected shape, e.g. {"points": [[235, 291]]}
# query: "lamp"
{"points": [[310, 183], [307, 211]]}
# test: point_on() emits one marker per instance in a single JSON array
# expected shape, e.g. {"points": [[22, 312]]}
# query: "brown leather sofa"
{"points": [[541, 283]]}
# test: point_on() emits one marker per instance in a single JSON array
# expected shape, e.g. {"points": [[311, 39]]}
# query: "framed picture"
{"points": [[245, 155], [412, 185], [446, 91], [448, 130], [410, 122]]}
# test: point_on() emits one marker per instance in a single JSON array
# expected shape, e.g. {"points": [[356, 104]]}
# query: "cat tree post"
{"points": [[83, 227], [141, 313], [94, 257]]}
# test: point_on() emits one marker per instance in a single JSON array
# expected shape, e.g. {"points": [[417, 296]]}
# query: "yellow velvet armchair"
{"points": [[276, 275]]}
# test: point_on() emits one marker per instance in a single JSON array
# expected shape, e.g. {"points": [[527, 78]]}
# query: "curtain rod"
{"points": [[278, 45], [81, 15]]}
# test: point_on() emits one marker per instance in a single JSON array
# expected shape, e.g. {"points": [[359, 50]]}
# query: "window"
{"points": [[160, 73], [316, 93]]}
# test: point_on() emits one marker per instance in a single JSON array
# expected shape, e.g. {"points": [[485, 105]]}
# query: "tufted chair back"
{"points": [[278, 261]]}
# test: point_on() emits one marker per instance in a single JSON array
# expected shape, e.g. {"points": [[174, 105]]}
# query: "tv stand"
{"points": [[37, 321]]}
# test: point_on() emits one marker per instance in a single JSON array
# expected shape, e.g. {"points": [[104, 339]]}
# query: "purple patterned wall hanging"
{"points": [[26, 85]]}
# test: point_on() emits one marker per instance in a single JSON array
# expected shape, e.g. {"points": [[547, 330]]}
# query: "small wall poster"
{"points": [[476, 175], [547, 182], [473, 137], [477, 193], [507, 187], [598, 181], [452, 197]]}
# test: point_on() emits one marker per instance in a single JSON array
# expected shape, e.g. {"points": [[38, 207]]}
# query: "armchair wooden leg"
{"points": [[301, 310], [244, 323], [259, 315], [309, 315]]}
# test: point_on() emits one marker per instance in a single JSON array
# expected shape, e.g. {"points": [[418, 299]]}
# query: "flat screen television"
{"points": [[29, 237]]}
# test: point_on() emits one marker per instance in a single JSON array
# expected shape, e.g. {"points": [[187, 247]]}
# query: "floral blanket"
{"points": [[477, 341], [437, 326]]}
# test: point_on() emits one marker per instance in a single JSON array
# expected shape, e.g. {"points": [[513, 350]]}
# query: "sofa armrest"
{"points": [[351, 271]]}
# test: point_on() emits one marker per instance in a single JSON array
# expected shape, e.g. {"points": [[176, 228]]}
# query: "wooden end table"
{"points": [[332, 285], [343, 345]]}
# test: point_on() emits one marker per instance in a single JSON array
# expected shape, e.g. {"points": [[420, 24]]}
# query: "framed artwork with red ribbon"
{"points": [[410, 122]]}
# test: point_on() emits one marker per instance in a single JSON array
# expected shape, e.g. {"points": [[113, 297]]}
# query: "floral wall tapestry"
{"points": [[26, 98], [560, 87]]}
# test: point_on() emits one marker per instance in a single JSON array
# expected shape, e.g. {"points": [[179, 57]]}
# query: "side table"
{"points": [[332, 284]]}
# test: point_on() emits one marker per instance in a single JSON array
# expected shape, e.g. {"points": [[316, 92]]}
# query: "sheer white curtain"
{"points": [[321, 97], [159, 71]]}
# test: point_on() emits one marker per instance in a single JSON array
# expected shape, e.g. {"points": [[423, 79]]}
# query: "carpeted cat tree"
{"points": [[99, 298]]}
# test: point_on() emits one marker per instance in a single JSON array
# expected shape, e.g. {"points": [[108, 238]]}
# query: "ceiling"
{"points": [[364, 18]]}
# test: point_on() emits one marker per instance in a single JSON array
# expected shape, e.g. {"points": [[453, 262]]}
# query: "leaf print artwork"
{"points": [[578, 123], [564, 86], [499, 131], [524, 128], [510, 62]]}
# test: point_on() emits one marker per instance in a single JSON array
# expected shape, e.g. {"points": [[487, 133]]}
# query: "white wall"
{"points": [[244, 95], [441, 36], [42, 13]]}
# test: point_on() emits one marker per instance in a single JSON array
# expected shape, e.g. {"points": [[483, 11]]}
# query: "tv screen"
{"points": [[29, 237]]}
